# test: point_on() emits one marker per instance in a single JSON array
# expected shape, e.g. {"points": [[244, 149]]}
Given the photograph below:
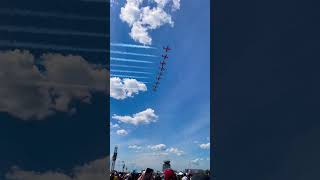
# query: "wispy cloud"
{"points": [[114, 126], [122, 132], [196, 161], [157, 147], [135, 147], [176, 151], [205, 146]]}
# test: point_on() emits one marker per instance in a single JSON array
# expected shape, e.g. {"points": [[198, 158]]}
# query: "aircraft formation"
{"points": [[163, 62]]}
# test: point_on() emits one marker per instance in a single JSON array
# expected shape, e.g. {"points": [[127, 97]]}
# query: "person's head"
{"points": [[148, 174]]}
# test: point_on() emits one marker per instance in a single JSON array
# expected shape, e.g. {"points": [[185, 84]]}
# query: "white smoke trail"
{"points": [[47, 46], [124, 71], [126, 66], [23, 12], [125, 76], [49, 31], [129, 60], [132, 46], [130, 53]]}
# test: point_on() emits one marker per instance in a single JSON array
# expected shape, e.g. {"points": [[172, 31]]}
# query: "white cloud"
{"points": [[145, 117], [205, 146], [136, 147], [158, 147], [122, 132], [130, 13], [140, 33], [176, 5], [29, 93], [155, 17], [143, 19], [196, 161], [114, 126], [175, 151], [162, 3], [124, 88], [93, 170]]}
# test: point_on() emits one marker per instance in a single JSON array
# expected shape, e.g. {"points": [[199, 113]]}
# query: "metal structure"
{"points": [[123, 166], [166, 165], [114, 158]]}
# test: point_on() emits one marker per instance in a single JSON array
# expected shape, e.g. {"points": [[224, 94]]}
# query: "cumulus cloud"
{"points": [[114, 126], [93, 170], [124, 88], [158, 147], [29, 92], [143, 19], [136, 147], [205, 146], [145, 117], [122, 132], [175, 151]]}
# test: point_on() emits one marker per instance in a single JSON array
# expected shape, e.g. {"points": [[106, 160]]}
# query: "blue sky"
{"points": [[181, 103]]}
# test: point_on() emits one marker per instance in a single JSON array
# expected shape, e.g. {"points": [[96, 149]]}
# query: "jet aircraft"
{"points": [[165, 56], [162, 69], [166, 48]]}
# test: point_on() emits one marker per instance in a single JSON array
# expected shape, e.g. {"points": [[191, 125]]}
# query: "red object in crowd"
{"points": [[168, 174]]}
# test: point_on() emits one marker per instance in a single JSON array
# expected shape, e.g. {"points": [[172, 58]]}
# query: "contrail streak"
{"points": [[49, 31], [132, 45], [118, 75], [47, 46], [23, 12], [138, 67], [130, 53], [129, 60], [137, 72]]}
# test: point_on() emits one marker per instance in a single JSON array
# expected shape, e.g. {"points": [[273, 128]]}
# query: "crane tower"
{"points": [[114, 158]]}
